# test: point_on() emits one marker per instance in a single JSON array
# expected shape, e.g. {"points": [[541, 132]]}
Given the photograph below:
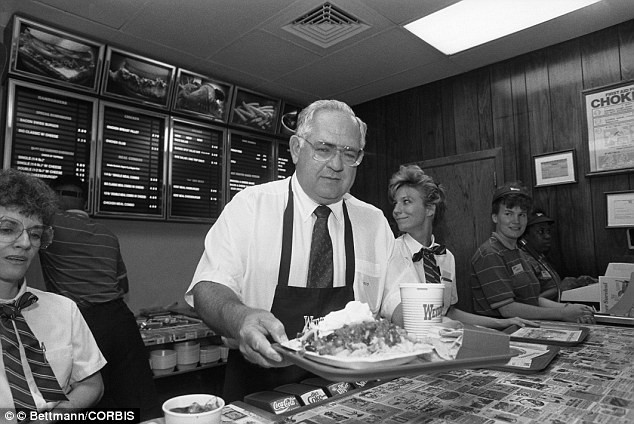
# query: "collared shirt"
{"points": [[84, 261], [401, 269], [243, 247], [544, 271], [500, 275], [70, 347]]}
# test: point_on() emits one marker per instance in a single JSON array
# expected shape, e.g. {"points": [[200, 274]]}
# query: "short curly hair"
{"points": [[27, 194], [431, 192]]}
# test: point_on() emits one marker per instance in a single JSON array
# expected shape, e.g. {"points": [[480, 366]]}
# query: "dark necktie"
{"points": [[432, 271], [320, 265], [10, 336]]}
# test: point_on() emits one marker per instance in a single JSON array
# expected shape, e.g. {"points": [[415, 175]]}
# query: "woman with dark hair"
{"points": [[49, 357], [502, 282], [419, 205]]}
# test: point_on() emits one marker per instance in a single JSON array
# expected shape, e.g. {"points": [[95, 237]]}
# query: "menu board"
{"points": [[49, 132], [130, 162], [249, 161], [195, 170], [285, 165]]}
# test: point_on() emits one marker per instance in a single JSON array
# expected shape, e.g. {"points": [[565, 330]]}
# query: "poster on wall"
{"points": [[202, 96], [137, 79], [609, 114], [50, 55], [255, 111]]}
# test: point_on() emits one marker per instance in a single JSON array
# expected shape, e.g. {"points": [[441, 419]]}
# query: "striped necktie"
{"points": [[320, 265], [432, 271], [13, 330]]}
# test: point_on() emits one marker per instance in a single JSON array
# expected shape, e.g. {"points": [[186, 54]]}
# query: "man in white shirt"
{"points": [[251, 284]]}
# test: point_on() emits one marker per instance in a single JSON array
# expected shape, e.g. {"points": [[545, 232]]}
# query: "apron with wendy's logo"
{"points": [[292, 306]]}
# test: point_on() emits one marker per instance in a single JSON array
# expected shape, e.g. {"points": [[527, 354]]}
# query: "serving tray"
{"points": [[536, 364], [374, 372], [549, 334]]}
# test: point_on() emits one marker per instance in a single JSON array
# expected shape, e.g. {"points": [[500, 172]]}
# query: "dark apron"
{"points": [[290, 306]]}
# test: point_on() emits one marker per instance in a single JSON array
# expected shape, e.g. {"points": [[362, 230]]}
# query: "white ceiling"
{"points": [[242, 41]]}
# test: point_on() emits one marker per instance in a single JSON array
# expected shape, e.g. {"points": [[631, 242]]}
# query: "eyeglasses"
{"points": [[40, 235], [323, 152]]}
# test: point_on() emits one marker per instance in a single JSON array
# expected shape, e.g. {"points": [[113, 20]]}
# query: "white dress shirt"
{"points": [[243, 247], [402, 269], [70, 347]]}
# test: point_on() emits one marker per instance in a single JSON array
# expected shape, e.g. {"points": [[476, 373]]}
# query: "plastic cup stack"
{"points": [[187, 355], [422, 307], [224, 353], [209, 354], [162, 361]]}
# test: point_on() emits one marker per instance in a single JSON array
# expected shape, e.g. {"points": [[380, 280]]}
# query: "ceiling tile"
{"points": [[350, 67], [248, 53]]}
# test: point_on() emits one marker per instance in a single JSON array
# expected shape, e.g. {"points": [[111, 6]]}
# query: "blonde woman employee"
{"points": [[419, 204]]}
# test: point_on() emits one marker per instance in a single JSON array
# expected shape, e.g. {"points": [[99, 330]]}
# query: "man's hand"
{"points": [[253, 341], [574, 312], [521, 322]]}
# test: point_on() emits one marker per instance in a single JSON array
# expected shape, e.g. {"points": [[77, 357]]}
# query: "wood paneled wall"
{"points": [[527, 105]]}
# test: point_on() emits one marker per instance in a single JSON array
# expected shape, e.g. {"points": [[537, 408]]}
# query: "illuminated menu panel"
{"points": [[250, 161], [285, 165], [196, 171], [51, 132], [131, 162]]}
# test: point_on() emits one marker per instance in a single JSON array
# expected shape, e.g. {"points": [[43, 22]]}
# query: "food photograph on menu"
{"points": [[201, 96], [55, 56], [255, 111], [136, 78], [288, 122]]}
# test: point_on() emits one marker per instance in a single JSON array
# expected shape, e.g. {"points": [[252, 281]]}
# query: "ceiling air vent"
{"points": [[326, 26]]}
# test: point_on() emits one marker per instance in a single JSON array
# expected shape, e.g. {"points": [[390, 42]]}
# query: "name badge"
{"points": [[545, 274], [517, 269], [446, 276]]}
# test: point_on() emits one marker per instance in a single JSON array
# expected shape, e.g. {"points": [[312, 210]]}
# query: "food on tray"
{"points": [[354, 332], [197, 408], [57, 57]]}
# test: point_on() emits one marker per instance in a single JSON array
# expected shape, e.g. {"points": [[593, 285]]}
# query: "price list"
{"points": [[131, 179], [249, 164], [51, 133], [196, 165], [285, 165]]}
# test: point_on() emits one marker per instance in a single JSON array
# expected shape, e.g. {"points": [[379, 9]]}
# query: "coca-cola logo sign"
{"points": [[284, 404]]}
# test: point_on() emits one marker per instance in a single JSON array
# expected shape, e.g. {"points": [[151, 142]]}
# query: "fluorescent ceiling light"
{"points": [[470, 23]]}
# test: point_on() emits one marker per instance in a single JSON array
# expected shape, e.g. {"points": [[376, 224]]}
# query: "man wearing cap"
{"points": [[502, 282], [536, 243]]}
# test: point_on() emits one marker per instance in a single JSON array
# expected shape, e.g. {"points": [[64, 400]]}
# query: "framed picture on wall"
{"points": [[202, 96], [137, 79], [610, 127], [255, 111], [288, 121], [47, 54], [620, 209], [555, 168]]}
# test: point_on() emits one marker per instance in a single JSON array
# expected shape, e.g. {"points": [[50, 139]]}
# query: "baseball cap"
{"points": [[509, 189], [537, 217]]}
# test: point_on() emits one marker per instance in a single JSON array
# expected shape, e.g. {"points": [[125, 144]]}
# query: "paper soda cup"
{"points": [[422, 306]]}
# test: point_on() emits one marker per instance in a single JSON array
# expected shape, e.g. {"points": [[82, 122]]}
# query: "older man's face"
{"points": [[326, 182]]}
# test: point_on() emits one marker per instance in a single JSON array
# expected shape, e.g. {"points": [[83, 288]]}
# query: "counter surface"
{"points": [[591, 383]]}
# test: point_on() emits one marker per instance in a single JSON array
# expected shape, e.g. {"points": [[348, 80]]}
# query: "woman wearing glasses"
{"points": [[49, 357], [419, 204]]}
